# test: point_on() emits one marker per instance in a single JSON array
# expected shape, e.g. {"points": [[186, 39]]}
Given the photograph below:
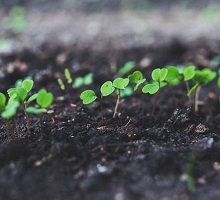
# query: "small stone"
{"points": [[201, 128]]}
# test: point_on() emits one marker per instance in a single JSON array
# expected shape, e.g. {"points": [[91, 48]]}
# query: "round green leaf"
{"points": [[78, 82], [2, 100], [135, 77], [159, 74], [107, 88], [27, 84], [151, 88], [44, 98], [128, 66], [120, 83], [88, 79], [88, 96], [22, 93], [189, 72]]}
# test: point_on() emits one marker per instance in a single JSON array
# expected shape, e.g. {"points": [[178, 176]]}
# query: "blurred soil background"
{"points": [[107, 24]]}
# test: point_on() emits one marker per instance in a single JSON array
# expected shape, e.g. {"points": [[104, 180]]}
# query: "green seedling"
{"points": [[68, 78], [128, 66], [120, 84], [136, 78], [173, 76], [188, 74], [158, 81], [22, 95], [81, 81], [44, 100], [8, 110], [202, 77], [16, 20]]}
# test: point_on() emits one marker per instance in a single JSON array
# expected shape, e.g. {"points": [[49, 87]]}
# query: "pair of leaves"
{"points": [[128, 66], [81, 81], [136, 78]]}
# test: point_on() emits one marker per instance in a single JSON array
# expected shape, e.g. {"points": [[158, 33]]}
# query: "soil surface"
{"points": [[137, 155]]}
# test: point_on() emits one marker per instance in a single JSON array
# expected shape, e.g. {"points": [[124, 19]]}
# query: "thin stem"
{"points": [[102, 116], [187, 88], [155, 102], [17, 128], [196, 105], [116, 105]]}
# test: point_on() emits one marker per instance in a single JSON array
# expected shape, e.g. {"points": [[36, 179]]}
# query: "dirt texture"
{"points": [[137, 155]]}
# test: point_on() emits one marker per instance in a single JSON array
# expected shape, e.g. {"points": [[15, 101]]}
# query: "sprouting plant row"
{"points": [[20, 97], [160, 78]]}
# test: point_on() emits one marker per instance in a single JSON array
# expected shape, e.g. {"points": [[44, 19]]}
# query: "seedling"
{"points": [[21, 95], [202, 77], [81, 81], [128, 66], [68, 78], [44, 100], [88, 96], [158, 81], [8, 110], [173, 76], [120, 84], [136, 78]]}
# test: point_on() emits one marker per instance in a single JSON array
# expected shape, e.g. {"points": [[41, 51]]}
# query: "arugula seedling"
{"points": [[136, 78], [158, 76], [120, 84], [127, 67], [202, 77], [81, 81], [173, 76], [44, 99], [8, 111], [88, 96], [22, 94]]}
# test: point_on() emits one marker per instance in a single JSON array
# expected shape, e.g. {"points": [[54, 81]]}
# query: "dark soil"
{"points": [[135, 156]]}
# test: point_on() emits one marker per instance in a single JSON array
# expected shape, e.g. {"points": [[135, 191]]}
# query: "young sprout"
{"points": [[68, 76], [120, 84], [61, 84], [22, 94], [44, 99], [173, 77], [128, 66], [81, 81], [8, 110], [136, 78], [202, 77], [159, 76]]}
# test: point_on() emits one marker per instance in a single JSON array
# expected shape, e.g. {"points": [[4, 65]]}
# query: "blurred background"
{"points": [[102, 24]]}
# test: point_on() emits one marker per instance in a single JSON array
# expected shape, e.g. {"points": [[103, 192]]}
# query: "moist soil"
{"points": [[137, 155]]}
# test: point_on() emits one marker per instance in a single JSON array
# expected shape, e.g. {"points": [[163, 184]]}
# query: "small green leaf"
{"points": [[135, 77], [27, 84], [61, 84], [68, 76], [88, 96], [151, 88], [78, 82], [159, 74], [128, 66], [32, 98], [173, 76], [189, 72], [10, 109], [139, 83], [126, 92], [2, 100], [120, 83], [22, 93], [36, 111], [107, 88], [12, 91], [88, 79], [44, 98]]}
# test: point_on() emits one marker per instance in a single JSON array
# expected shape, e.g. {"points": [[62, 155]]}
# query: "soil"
{"points": [[137, 155]]}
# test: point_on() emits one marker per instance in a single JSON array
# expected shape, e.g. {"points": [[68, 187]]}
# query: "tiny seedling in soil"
{"points": [[136, 78], [120, 84], [128, 66], [22, 94], [82, 81], [202, 77], [8, 110], [158, 76], [44, 100], [68, 79]]}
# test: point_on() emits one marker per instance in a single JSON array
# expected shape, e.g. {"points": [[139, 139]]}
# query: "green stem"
{"points": [[155, 100], [17, 128], [102, 116], [116, 105]]}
